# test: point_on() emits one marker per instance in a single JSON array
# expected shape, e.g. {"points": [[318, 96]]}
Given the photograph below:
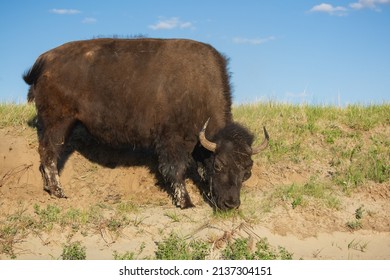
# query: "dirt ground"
{"points": [[94, 174]]}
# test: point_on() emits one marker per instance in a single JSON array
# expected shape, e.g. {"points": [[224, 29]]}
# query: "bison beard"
{"points": [[150, 93]]}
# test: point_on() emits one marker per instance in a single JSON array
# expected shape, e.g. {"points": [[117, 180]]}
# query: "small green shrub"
{"points": [[359, 213], [176, 248], [125, 256], [47, 216], [74, 251], [240, 250]]}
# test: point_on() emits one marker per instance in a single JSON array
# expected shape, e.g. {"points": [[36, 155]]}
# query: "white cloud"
{"points": [[329, 9], [372, 4], [171, 23], [255, 41], [89, 20], [343, 11], [65, 11]]}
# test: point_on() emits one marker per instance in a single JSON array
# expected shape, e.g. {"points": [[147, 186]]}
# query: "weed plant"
{"points": [[74, 251], [239, 249], [176, 248]]}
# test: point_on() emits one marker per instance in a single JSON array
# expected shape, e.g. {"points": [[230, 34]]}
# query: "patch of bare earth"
{"points": [[96, 175]]}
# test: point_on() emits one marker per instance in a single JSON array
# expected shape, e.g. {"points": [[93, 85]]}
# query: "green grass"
{"points": [[14, 229], [12, 114], [47, 217], [313, 192], [74, 251], [124, 256], [352, 143], [361, 162], [128, 255], [356, 223], [240, 249], [34, 220], [358, 246], [176, 248], [354, 140], [173, 216]]}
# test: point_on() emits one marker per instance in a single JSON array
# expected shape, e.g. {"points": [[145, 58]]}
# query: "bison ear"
{"points": [[262, 146], [211, 146]]}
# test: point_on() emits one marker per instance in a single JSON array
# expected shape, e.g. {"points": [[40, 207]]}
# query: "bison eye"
{"points": [[218, 165], [247, 175]]}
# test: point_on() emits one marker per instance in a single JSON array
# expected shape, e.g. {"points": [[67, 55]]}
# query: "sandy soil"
{"points": [[93, 174]]}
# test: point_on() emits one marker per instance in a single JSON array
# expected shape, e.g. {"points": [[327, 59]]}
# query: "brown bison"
{"points": [[151, 93]]}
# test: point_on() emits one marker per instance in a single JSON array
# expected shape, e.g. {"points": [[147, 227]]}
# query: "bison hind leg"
{"points": [[52, 138], [51, 180]]}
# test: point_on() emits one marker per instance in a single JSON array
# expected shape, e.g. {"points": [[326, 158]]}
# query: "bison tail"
{"points": [[31, 77]]}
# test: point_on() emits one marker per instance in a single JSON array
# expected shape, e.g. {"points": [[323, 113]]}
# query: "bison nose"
{"points": [[232, 204]]}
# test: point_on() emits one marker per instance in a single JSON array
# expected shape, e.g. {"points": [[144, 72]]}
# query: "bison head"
{"points": [[230, 163]]}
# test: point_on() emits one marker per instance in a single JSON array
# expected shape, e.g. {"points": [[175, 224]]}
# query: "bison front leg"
{"points": [[173, 165], [181, 197]]}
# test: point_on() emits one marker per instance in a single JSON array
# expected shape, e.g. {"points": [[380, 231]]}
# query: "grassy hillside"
{"points": [[14, 115], [320, 158], [335, 149], [353, 141]]}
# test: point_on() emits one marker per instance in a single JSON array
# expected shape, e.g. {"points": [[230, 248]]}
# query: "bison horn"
{"points": [[211, 146], [263, 145]]}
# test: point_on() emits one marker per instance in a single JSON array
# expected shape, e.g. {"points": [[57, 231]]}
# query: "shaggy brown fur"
{"points": [[145, 92]]}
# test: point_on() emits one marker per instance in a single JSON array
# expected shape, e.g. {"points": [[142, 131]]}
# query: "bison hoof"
{"points": [[183, 200], [187, 203], [55, 191], [184, 204]]}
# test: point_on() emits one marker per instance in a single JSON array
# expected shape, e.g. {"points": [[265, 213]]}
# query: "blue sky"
{"points": [[326, 52]]}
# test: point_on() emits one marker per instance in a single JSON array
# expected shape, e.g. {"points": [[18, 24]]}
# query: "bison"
{"points": [[170, 95]]}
